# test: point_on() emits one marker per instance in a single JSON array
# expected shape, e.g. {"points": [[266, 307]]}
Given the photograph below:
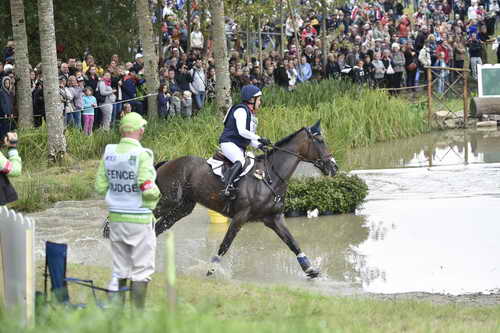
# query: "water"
{"points": [[429, 225]]}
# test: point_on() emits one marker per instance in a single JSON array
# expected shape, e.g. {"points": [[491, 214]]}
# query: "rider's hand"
{"points": [[263, 148], [265, 141]]}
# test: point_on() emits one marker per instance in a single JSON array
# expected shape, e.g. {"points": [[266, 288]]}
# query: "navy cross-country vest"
{"points": [[230, 133]]}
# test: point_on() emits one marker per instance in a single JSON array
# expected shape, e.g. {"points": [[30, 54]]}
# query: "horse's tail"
{"points": [[159, 164]]}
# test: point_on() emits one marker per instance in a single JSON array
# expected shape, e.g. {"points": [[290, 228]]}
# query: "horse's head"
{"points": [[317, 151]]}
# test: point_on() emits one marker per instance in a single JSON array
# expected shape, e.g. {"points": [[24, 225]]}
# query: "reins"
{"points": [[268, 180]]}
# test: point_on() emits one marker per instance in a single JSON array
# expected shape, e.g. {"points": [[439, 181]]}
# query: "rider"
{"points": [[240, 125]]}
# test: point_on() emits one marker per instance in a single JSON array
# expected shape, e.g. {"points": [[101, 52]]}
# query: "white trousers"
{"points": [[233, 152], [133, 249]]}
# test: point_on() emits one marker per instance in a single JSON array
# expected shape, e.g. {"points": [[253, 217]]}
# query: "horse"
{"points": [[188, 180]]}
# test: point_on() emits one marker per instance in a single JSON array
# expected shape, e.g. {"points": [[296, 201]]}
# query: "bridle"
{"points": [[319, 162]]}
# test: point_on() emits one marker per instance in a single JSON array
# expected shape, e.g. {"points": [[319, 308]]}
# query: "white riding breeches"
{"points": [[233, 152]]}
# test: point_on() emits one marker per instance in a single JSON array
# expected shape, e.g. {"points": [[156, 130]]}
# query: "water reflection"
{"points": [[431, 218], [438, 148], [455, 252]]}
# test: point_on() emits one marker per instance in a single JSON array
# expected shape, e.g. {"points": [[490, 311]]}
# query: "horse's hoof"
{"points": [[312, 273]]}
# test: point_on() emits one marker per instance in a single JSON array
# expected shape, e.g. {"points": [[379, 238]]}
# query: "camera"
{"points": [[10, 138]]}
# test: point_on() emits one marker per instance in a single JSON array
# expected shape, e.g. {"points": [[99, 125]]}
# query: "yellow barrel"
{"points": [[217, 218]]}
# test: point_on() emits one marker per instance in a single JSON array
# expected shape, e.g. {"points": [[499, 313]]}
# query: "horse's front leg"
{"points": [[235, 226], [277, 223]]}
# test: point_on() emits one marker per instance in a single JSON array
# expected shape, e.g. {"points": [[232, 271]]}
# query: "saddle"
{"points": [[220, 163]]}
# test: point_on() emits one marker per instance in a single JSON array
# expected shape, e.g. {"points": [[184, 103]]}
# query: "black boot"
{"points": [[230, 175], [117, 297], [122, 283], [138, 293]]}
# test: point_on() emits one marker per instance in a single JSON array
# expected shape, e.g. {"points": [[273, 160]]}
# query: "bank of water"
{"points": [[429, 225]]}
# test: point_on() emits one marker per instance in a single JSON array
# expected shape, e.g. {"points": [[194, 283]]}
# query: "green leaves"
{"points": [[338, 195]]}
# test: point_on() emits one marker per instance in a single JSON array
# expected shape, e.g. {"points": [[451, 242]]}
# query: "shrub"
{"points": [[330, 195]]}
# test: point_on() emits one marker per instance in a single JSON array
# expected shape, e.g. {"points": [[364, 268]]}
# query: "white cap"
{"points": [[138, 55], [395, 46]]}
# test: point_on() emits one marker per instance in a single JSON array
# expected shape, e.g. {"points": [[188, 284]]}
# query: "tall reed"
{"points": [[351, 117]]}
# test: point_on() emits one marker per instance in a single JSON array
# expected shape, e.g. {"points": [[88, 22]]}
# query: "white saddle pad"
{"points": [[217, 165]]}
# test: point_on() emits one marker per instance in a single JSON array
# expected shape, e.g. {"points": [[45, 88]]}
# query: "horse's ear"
{"points": [[316, 128]]}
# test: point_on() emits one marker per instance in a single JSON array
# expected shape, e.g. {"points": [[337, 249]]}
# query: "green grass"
{"points": [[351, 117], [208, 305], [39, 190]]}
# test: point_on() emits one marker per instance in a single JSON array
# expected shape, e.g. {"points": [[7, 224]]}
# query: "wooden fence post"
{"points": [[429, 95], [466, 98], [170, 270]]}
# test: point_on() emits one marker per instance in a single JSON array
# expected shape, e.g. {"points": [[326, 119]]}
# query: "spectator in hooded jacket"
{"points": [[129, 90], [6, 105]]}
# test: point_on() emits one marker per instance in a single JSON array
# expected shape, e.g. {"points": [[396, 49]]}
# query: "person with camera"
{"points": [[11, 166]]}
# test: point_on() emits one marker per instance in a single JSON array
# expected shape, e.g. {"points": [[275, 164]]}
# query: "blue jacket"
{"points": [[304, 71], [230, 132]]}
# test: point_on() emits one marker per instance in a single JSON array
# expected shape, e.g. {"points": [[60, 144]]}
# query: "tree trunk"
{"points": [[23, 83], [295, 28], [188, 19], [259, 31], [55, 123], [324, 34], [150, 56], [222, 80], [282, 31]]}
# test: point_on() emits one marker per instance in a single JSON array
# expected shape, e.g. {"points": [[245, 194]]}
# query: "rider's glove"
{"points": [[265, 142], [263, 148]]}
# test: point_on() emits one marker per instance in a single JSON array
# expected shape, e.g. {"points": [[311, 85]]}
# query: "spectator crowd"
{"points": [[381, 43]]}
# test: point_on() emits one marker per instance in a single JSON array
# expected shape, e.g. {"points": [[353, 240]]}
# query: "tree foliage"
{"points": [[104, 27]]}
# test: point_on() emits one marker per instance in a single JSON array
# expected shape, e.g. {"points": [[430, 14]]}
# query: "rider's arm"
{"points": [[241, 120]]}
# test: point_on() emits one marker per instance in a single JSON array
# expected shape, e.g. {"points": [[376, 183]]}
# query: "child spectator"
{"points": [[186, 104], [89, 103]]}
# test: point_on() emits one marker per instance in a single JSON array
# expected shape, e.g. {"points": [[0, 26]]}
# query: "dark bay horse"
{"points": [[188, 180]]}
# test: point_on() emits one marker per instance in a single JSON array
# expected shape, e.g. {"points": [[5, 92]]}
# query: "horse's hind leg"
{"points": [[277, 224], [168, 216]]}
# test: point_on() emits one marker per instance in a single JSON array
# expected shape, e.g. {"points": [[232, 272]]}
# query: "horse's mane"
{"points": [[287, 138], [281, 142]]}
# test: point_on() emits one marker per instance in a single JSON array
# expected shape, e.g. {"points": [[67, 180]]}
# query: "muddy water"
{"points": [[429, 225]]}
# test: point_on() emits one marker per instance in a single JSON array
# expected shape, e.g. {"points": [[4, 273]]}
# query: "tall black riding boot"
{"points": [[138, 292], [230, 175]]}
